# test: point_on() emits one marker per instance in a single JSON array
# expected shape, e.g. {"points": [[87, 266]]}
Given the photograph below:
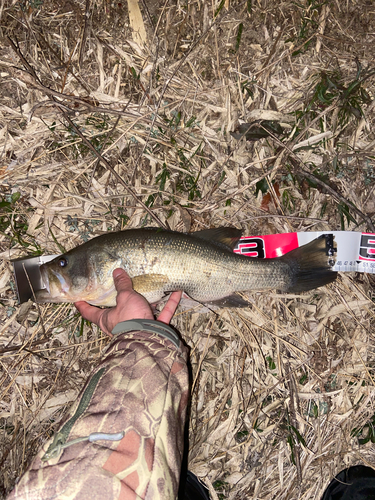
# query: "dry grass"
{"points": [[280, 387]]}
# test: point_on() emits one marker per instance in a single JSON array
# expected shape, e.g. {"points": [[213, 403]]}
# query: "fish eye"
{"points": [[63, 262]]}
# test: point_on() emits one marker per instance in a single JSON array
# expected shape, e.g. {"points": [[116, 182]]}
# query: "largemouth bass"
{"points": [[202, 264]]}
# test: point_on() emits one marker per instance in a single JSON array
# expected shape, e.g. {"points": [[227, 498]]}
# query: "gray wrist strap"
{"points": [[147, 325]]}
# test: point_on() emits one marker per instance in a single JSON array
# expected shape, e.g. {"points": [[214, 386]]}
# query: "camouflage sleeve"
{"points": [[123, 437]]}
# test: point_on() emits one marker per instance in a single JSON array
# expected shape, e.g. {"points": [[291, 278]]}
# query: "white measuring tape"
{"points": [[355, 251]]}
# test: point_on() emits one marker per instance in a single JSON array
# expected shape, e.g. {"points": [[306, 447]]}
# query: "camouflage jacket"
{"points": [[123, 437]]}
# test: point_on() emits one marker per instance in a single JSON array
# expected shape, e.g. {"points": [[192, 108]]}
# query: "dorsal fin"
{"points": [[225, 236]]}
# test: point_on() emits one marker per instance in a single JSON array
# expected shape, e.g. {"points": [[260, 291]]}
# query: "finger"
{"points": [[122, 280], [91, 313], [170, 307]]}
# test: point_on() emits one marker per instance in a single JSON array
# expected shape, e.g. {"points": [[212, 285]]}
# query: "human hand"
{"points": [[130, 305]]}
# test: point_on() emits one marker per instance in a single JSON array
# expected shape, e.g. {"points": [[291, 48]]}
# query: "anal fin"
{"points": [[230, 301]]}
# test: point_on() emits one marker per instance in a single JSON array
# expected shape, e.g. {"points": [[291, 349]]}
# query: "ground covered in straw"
{"points": [[111, 121]]}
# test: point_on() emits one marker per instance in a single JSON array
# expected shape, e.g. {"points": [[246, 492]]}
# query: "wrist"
{"points": [[148, 325]]}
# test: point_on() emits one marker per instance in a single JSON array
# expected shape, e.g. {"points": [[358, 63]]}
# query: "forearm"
{"points": [[139, 389]]}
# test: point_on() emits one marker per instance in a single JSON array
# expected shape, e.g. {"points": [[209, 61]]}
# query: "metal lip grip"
{"points": [[26, 271]]}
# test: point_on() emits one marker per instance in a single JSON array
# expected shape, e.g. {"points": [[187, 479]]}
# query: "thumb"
{"points": [[123, 282]]}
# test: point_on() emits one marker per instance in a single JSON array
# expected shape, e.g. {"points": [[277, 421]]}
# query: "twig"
{"points": [[33, 76], [21, 347], [107, 165], [339, 197], [175, 71], [293, 418], [85, 31], [321, 183], [63, 64], [88, 103]]}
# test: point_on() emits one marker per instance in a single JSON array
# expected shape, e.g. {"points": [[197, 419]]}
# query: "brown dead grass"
{"points": [[279, 387]]}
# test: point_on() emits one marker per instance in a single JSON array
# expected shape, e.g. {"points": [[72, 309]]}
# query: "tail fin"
{"points": [[311, 266]]}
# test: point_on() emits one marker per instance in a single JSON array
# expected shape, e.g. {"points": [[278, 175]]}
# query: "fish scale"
{"points": [[201, 264], [219, 270]]}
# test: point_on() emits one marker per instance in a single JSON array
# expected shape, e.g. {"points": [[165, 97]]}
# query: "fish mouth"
{"points": [[63, 285], [54, 282], [45, 280]]}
